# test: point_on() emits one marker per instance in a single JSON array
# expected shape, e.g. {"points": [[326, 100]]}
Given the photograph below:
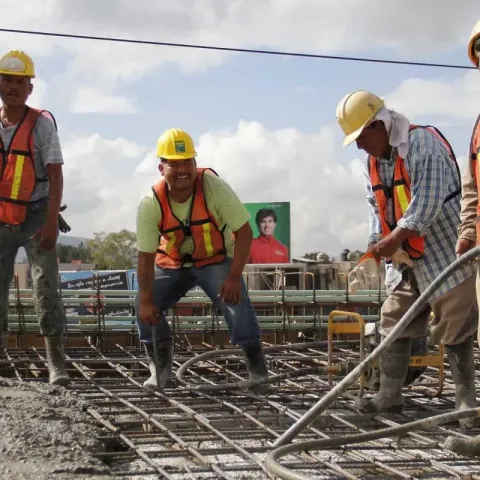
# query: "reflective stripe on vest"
{"points": [[208, 239], [474, 150], [17, 170], [400, 194]]}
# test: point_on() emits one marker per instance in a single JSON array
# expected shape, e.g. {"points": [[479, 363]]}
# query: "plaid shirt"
{"points": [[433, 176]]}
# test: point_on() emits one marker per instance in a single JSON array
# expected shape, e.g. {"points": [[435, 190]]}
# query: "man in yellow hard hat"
{"points": [[469, 229], [413, 188], [192, 230], [31, 187]]}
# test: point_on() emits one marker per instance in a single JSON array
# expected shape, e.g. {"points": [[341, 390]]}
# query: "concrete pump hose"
{"points": [[341, 368], [285, 474], [353, 376]]}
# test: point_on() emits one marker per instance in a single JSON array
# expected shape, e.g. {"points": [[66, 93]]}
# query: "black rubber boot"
{"points": [[393, 371], [462, 367], [256, 365], [56, 361], [469, 447], [165, 360]]}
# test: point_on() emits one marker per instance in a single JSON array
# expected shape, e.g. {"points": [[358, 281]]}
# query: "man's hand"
{"points": [[47, 236], [386, 247], [463, 246], [231, 289], [148, 313]]}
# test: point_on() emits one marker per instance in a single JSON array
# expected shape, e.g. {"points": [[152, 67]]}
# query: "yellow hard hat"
{"points": [[471, 44], [355, 111], [16, 62], [175, 144]]}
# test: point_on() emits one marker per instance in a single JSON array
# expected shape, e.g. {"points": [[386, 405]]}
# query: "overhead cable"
{"points": [[236, 49]]}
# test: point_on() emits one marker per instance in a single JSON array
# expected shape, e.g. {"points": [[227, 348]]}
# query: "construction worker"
{"points": [[469, 229], [192, 230], [413, 191], [31, 187]]}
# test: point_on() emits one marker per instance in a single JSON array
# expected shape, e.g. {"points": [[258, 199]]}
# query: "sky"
{"points": [[266, 123]]}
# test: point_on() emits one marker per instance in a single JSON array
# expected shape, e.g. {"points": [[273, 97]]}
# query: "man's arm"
{"points": [[55, 193], [374, 225], [145, 276], [469, 202], [243, 242], [148, 219], [49, 158]]}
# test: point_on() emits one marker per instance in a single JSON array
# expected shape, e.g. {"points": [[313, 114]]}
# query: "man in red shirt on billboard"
{"points": [[266, 248]]}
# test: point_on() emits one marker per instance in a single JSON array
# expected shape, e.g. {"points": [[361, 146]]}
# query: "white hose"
{"points": [[353, 376]]}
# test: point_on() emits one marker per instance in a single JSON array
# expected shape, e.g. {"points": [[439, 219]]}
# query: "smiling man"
{"points": [[266, 248], [31, 188], [192, 230], [413, 194]]}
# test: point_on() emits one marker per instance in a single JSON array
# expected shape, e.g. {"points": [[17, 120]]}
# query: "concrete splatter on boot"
{"points": [[462, 367], [165, 360], [256, 365], [56, 360], [469, 447], [393, 371]]}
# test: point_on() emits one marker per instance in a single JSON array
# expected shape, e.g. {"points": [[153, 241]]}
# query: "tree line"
{"points": [[107, 251]]}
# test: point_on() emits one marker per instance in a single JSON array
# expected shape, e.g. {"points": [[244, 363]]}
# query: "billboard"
{"points": [[84, 280], [270, 223]]}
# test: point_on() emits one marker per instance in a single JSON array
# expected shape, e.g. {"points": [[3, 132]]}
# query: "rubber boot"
{"points": [[469, 447], [393, 371], [165, 360], [462, 367], [256, 365], [56, 361]]}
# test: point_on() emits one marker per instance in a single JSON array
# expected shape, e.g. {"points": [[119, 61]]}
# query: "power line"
{"points": [[239, 50]]}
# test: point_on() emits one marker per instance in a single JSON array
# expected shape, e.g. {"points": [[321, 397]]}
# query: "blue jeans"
{"points": [[171, 285]]}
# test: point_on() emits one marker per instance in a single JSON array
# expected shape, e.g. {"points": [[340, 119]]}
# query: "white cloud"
{"points": [[100, 191], [458, 99], [328, 210], [328, 26], [91, 100]]}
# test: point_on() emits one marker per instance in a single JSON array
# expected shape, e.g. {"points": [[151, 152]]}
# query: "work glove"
{"points": [[63, 226], [401, 256], [367, 269], [364, 273]]}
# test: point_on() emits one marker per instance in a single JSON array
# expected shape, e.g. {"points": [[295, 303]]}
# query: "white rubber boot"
{"points": [[165, 360], [56, 361]]}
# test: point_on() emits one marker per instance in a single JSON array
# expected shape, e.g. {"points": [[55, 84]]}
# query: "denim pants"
{"points": [[46, 296], [171, 285]]}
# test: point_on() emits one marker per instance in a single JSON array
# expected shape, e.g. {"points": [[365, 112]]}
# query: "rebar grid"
{"points": [[184, 434]]}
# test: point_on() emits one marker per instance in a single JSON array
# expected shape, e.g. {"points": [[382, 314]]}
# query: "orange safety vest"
{"points": [[18, 177], [209, 243], [474, 165], [400, 193]]}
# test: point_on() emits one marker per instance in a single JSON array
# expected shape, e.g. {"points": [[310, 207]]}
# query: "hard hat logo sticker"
{"points": [[180, 146], [13, 64]]}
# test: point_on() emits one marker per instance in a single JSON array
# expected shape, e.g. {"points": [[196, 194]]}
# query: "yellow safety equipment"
{"points": [[471, 44], [355, 111], [16, 62], [175, 144]]}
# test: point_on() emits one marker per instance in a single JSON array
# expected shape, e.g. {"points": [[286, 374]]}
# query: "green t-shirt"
{"points": [[222, 201]]}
